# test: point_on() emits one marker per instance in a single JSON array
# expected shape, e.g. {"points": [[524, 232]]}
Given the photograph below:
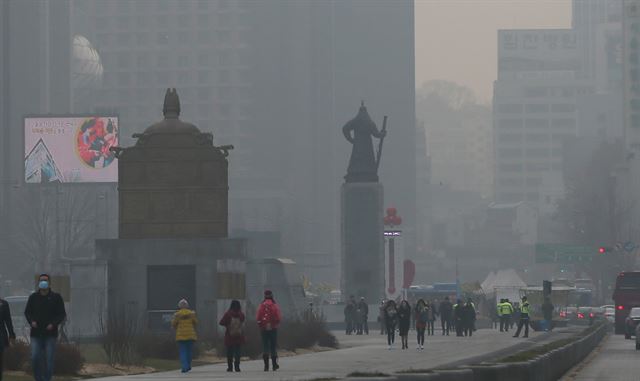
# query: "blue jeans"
{"points": [[185, 348], [42, 356]]}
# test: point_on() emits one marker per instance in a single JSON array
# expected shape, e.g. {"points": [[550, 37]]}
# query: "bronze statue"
{"points": [[363, 164]]}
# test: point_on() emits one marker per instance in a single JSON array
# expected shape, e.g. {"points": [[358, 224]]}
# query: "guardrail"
{"points": [[549, 366]]}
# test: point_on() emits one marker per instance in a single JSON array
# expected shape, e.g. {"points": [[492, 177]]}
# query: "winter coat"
{"points": [[421, 316], [184, 322], [6, 326], [268, 316], [404, 320], [446, 310], [390, 317], [45, 310], [230, 340]]}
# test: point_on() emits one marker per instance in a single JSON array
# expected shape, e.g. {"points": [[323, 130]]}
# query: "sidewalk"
{"points": [[363, 353]]}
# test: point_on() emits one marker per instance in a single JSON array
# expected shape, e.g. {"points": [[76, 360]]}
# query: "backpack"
{"points": [[266, 316], [235, 327]]}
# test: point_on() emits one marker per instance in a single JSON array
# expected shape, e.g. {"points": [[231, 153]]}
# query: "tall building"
{"points": [[534, 112], [276, 79]]}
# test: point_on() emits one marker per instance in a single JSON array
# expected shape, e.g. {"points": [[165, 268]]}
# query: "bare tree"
{"points": [[56, 224]]}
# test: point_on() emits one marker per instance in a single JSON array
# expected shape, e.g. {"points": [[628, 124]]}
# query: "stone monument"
{"points": [[173, 182], [173, 234], [362, 199]]}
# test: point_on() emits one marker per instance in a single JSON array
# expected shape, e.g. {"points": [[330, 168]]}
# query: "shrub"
{"points": [[118, 335], [16, 357], [69, 359]]}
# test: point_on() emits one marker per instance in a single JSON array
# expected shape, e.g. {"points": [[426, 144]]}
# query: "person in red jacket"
{"points": [[233, 321], [268, 319]]}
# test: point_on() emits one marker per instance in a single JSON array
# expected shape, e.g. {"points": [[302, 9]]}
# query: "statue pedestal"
{"points": [[362, 241]]}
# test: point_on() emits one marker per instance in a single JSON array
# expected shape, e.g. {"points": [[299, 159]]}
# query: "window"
{"points": [[534, 181], [535, 92], [203, 59], [536, 123], [510, 123], [538, 167], [162, 38], [510, 167], [563, 123], [537, 152], [508, 108], [536, 108], [511, 181], [509, 138], [537, 138], [533, 196], [563, 107], [506, 153]]}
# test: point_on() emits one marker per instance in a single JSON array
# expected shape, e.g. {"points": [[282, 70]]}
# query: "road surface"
{"points": [[360, 353], [615, 359]]}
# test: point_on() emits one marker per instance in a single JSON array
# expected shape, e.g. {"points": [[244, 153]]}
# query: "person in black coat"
{"points": [[45, 313], [7, 335], [390, 321], [445, 310], [404, 322], [468, 318]]}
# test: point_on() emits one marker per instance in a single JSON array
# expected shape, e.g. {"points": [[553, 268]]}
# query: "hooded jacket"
{"points": [[184, 322]]}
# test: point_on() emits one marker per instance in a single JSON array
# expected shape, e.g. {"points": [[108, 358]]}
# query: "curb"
{"points": [[546, 367]]}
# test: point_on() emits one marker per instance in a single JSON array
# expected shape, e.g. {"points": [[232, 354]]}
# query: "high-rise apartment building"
{"points": [[534, 112]]}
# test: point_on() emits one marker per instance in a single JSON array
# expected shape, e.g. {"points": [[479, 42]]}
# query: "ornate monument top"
{"points": [[171, 123], [363, 164]]}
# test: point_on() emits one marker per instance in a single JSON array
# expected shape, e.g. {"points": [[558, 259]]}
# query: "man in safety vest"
{"points": [[524, 318], [505, 309]]}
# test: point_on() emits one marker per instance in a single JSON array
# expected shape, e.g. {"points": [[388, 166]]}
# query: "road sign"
{"points": [[564, 253]]}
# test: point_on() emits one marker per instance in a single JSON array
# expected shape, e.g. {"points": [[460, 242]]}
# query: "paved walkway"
{"points": [[615, 359], [363, 353]]}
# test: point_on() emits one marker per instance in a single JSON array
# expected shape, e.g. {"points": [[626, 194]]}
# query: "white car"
{"points": [[610, 313]]}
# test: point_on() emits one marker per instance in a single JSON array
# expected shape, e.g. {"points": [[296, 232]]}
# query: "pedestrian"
{"points": [[468, 318], [185, 322], [473, 319], [381, 317], [525, 308], [446, 311], [363, 307], [233, 321], [349, 317], [515, 317], [404, 322], [45, 313], [7, 335], [458, 314], [431, 318], [421, 318], [268, 318], [390, 320], [505, 310]]}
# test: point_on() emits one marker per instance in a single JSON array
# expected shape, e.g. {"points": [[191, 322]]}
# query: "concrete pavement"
{"points": [[616, 359], [360, 353]]}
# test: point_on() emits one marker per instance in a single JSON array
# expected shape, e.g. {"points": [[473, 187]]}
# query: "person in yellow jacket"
{"points": [[505, 310], [184, 322]]}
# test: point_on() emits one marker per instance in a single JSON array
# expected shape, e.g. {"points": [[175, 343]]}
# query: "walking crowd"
{"points": [[458, 318], [45, 313]]}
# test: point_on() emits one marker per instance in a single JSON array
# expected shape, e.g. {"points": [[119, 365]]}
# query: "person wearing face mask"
{"points": [[44, 312]]}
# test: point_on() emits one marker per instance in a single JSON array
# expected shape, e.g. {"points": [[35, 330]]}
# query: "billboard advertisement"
{"points": [[70, 149]]}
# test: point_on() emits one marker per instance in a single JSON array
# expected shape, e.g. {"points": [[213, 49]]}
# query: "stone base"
{"points": [[145, 279], [362, 240]]}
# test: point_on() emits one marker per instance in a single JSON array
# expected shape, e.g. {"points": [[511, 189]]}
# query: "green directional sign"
{"points": [[564, 253]]}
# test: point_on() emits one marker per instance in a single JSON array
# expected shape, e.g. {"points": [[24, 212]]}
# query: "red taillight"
{"points": [[580, 315], [591, 315], [620, 308], [563, 314]]}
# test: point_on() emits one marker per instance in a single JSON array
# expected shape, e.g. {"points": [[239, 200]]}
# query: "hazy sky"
{"points": [[457, 39]]}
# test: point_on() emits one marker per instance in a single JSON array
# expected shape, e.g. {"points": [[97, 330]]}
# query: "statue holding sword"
{"points": [[363, 164]]}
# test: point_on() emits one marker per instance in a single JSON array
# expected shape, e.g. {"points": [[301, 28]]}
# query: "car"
{"points": [[610, 313], [568, 313], [631, 322]]}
